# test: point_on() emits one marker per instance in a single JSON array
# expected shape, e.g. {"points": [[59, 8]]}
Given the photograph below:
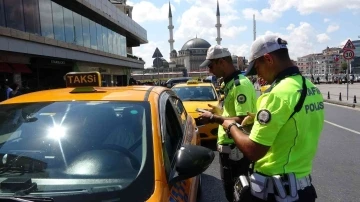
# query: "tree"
{"points": [[344, 66]]}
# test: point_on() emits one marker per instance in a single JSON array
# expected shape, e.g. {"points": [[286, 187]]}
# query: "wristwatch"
{"points": [[229, 127]]}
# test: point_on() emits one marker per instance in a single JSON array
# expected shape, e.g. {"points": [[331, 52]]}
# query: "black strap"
{"points": [[301, 101], [234, 75], [292, 71], [237, 81]]}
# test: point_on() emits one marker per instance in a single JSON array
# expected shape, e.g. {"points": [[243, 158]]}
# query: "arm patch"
{"points": [[241, 98], [263, 116]]}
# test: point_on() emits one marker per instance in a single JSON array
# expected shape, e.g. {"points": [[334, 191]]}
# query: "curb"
{"points": [[342, 103]]}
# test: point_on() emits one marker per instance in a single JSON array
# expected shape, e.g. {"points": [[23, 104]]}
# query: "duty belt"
{"points": [[301, 184], [226, 149]]}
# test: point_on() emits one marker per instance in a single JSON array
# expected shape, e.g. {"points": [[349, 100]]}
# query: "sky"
{"points": [[309, 26]]}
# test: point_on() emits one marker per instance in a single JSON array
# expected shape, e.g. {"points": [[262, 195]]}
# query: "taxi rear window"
{"points": [[81, 140]]}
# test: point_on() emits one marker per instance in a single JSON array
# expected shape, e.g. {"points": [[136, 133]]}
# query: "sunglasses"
{"points": [[212, 63]]}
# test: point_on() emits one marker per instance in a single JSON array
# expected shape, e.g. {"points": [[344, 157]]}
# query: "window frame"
{"points": [[169, 97]]}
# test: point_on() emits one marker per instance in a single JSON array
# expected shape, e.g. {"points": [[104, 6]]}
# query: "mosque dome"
{"points": [[196, 43]]}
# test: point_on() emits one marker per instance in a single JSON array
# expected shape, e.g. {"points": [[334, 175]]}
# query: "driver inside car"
{"points": [[128, 134]]}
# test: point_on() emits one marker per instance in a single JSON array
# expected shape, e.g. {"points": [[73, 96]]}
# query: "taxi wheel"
{"points": [[199, 191]]}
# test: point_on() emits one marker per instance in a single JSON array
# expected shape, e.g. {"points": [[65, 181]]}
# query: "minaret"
{"points": [[254, 26], [218, 25], [171, 27]]}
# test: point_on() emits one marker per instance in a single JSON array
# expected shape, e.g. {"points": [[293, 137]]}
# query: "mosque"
{"points": [[193, 52], [188, 58]]}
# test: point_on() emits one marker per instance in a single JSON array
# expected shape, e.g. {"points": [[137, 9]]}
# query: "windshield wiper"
{"points": [[198, 100], [26, 199], [20, 186], [191, 99], [19, 163]]}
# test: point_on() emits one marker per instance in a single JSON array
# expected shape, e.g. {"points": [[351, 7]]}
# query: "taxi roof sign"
{"points": [[192, 82], [83, 79]]}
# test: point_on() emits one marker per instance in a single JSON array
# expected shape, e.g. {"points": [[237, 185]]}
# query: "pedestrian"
{"points": [[239, 98], [132, 81], [8, 91], [287, 127], [352, 78], [15, 90]]}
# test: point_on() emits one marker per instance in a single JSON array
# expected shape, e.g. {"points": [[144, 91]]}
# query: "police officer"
{"points": [[239, 99], [287, 126]]}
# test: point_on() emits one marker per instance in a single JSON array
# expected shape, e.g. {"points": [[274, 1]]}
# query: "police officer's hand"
{"points": [[227, 122], [215, 109], [205, 117], [249, 119]]}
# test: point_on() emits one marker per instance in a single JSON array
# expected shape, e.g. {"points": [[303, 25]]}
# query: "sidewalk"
{"points": [[336, 89]]}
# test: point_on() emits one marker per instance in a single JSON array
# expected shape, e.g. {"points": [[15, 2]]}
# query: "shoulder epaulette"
{"points": [[237, 81]]}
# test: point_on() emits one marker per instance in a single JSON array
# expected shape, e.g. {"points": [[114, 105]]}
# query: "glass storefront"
{"points": [[14, 14], [32, 16], [69, 26], [2, 14], [49, 19], [58, 19], [46, 20]]}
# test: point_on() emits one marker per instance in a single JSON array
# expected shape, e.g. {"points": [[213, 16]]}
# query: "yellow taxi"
{"points": [[91, 143], [195, 94], [264, 88]]}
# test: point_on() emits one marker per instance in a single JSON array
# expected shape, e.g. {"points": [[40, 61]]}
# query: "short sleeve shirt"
{"points": [[240, 98], [8, 93], [293, 142]]}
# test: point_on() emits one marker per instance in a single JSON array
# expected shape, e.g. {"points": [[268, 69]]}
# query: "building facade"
{"points": [[357, 47], [241, 62], [330, 61], [42, 40], [355, 64]]}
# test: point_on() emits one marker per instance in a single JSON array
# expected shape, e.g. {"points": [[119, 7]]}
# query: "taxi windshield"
{"points": [[196, 93], [78, 145]]}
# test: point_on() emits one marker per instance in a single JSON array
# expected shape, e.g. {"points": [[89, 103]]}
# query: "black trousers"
{"points": [[229, 171], [306, 195]]}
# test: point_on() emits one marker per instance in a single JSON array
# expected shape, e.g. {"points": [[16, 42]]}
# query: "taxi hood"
{"points": [[191, 106]]}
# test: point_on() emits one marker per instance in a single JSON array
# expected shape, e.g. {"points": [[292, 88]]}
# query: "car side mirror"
{"points": [[168, 85], [191, 161]]}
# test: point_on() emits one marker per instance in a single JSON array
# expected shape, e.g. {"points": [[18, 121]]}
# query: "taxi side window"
{"points": [[180, 109], [174, 134]]}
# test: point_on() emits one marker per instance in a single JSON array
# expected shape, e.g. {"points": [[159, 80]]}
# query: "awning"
{"points": [[4, 67], [20, 68]]}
